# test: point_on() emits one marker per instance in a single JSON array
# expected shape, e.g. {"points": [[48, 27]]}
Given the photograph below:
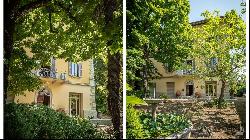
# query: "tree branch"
{"points": [[30, 6], [67, 10]]}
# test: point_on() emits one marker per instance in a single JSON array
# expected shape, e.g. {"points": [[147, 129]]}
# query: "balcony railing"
{"points": [[48, 73], [184, 72]]}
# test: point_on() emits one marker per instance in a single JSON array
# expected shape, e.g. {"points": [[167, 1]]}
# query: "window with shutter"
{"points": [[70, 71], [80, 70], [53, 63], [75, 70], [214, 61]]}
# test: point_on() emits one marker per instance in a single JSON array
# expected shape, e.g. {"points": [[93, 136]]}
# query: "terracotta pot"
{"points": [[197, 94], [178, 93], [61, 110]]}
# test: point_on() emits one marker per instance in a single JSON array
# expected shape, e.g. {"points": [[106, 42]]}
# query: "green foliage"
{"points": [[237, 86], [134, 127], [132, 100], [164, 96], [165, 124], [101, 100], [55, 29], [224, 39], [101, 82], [41, 122], [241, 91], [162, 35], [21, 77], [58, 29], [215, 103]]}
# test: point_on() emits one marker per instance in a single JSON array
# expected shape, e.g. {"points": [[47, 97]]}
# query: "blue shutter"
{"points": [[70, 71], [75, 70], [80, 70], [216, 60]]}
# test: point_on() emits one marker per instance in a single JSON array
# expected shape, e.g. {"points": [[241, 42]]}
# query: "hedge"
{"points": [[24, 121]]}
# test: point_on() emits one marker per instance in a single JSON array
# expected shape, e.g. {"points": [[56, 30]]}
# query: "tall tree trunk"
{"points": [[114, 69], [113, 86], [9, 28], [145, 70], [137, 84], [221, 94]]}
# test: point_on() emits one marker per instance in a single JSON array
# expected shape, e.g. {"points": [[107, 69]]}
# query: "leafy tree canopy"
{"points": [[158, 29], [220, 48], [222, 38], [72, 29]]}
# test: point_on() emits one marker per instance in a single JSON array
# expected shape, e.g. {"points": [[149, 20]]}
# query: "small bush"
{"points": [[165, 124], [26, 121], [164, 97], [215, 103], [101, 100], [241, 92], [133, 100], [134, 126]]}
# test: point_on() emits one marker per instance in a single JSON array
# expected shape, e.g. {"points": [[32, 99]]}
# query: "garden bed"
{"points": [[208, 122], [185, 134]]}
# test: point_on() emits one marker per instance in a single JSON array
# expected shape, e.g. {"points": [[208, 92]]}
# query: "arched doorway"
{"points": [[44, 97], [189, 88]]}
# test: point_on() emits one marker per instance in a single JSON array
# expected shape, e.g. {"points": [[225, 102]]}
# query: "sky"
{"points": [[199, 6]]}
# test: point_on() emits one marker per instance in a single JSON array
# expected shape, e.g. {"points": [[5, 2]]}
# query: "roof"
{"points": [[200, 22]]}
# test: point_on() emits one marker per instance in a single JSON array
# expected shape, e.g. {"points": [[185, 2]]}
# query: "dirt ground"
{"points": [[208, 123], [215, 123]]}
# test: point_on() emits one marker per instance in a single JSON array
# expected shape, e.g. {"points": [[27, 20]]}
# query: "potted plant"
{"points": [[165, 97], [197, 94], [178, 93]]}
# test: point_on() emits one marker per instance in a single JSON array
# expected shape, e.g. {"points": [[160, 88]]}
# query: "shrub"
{"points": [[134, 126], [26, 121], [241, 92], [133, 100], [101, 100], [164, 97], [215, 103], [165, 124]]}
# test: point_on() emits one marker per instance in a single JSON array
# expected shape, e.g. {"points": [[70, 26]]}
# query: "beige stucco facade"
{"points": [[61, 89], [187, 84]]}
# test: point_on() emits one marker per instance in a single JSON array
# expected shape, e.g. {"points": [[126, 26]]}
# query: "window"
{"points": [[167, 68], [189, 88], [189, 62], [211, 88], [152, 90], [53, 64], [75, 69], [213, 61], [43, 97], [190, 67], [74, 104], [53, 67], [170, 88]]}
